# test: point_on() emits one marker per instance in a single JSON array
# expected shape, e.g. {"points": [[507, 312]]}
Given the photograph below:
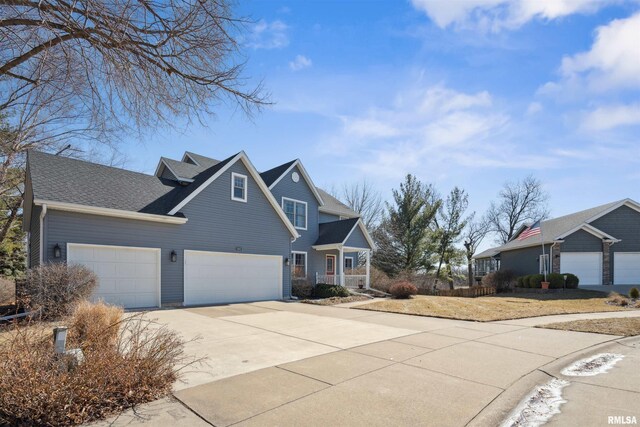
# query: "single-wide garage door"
{"points": [[127, 276], [626, 268], [221, 277], [586, 265]]}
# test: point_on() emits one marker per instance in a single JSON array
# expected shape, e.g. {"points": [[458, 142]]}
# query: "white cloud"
{"points": [[268, 35], [604, 118], [534, 108], [613, 60], [299, 63], [495, 15], [433, 128]]}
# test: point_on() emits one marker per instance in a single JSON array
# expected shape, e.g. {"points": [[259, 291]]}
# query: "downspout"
{"points": [[41, 248]]}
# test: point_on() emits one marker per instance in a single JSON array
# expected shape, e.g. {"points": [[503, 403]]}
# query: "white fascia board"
{"points": [[116, 213], [364, 232], [256, 177], [589, 229], [332, 212], [306, 177], [327, 247]]}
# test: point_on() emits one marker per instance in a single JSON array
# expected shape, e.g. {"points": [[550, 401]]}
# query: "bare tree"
{"points": [[90, 70], [473, 235], [449, 224], [518, 202], [364, 199]]}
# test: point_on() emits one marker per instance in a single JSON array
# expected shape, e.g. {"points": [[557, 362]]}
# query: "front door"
{"points": [[331, 265]]}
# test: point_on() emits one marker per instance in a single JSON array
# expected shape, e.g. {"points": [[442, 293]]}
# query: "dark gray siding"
{"points": [[34, 238], [581, 241], [624, 224], [357, 239], [522, 261], [325, 217], [301, 191], [216, 223]]}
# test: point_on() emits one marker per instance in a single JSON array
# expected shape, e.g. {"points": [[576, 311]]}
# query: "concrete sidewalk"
{"points": [[277, 363]]}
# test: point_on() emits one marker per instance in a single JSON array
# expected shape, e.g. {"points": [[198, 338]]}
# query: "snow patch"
{"points": [[539, 406], [594, 365]]}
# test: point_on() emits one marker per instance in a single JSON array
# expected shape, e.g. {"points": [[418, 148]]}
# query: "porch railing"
{"points": [[350, 280]]}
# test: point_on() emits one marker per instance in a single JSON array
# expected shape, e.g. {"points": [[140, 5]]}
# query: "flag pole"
{"points": [[544, 264]]}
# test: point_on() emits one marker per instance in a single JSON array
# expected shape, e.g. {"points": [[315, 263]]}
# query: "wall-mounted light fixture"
{"points": [[57, 251], [174, 256], [557, 256], [286, 261], [238, 248]]}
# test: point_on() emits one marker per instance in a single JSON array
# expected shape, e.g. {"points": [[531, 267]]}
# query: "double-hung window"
{"points": [[296, 211], [238, 187], [348, 263], [299, 264]]}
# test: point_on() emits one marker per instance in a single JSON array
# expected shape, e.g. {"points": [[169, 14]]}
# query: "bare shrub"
{"points": [[634, 293], [301, 288], [7, 291], [403, 289], [379, 280], [95, 326], [56, 288], [617, 299], [502, 280], [138, 366]]}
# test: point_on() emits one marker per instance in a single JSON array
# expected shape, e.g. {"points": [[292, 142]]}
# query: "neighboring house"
{"points": [[199, 231], [600, 245]]}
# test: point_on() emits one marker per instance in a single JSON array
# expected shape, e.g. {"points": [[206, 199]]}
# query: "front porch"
{"points": [[343, 268]]}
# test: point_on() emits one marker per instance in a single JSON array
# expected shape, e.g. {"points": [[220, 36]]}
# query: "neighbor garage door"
{"points": [[127, 276], [626, 268], [586, 265], [220, 277]]}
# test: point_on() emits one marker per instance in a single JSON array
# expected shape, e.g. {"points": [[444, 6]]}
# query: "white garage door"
{"points": [[127, 276], [626, 268], [586, 265], [219, 277]]}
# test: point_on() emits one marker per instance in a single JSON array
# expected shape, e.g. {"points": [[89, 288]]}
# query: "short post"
{"points": [[60, 339], [368, 280]]}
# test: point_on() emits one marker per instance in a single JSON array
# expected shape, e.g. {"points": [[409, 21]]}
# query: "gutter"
{"points": [[42, 214]]}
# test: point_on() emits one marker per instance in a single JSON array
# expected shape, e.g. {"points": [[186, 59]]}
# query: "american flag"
{"points": [[531, 231]]}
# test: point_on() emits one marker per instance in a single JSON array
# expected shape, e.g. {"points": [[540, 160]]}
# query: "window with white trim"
{"points": [[299, 264], [238, 187], [348, 263], [296, 211], [544, 263]]}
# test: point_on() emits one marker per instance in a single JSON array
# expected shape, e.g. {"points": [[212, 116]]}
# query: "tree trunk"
{"points": [[469, 271]]}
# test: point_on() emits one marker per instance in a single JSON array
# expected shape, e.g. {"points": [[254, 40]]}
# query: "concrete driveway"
{"points": [[276, 363]]}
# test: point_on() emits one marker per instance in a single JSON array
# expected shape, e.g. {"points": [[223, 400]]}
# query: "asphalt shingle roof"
{"points": [[203, 161], [335, 231], [334, 205], [551, 229], [270, 176], [68, 180]]}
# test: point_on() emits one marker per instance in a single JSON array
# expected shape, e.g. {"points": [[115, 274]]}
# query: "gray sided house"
{"points": [[600, 245], [199, 231]]}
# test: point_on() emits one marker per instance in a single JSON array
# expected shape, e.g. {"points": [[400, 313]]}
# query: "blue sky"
{"points": [[458, 92]]}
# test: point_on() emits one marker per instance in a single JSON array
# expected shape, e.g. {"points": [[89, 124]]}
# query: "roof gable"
{"points": [[338, 232], [210, 175], [274, 178]]}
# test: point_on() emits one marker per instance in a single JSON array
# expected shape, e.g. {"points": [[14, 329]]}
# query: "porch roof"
{"points": [[335, 232]]}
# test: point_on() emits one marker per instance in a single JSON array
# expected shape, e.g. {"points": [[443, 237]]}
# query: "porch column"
{"points": [[368, 264], [341, 265]]}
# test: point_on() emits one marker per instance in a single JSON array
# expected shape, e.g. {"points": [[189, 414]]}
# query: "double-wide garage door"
{"points": [[221, 277], [127, 276], [586, 265]]}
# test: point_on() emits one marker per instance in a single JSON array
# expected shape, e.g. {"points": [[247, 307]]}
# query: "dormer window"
{"points": [[238, 187], [296, 211]]}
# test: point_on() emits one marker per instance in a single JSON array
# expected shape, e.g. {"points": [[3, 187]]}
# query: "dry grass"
{"points": [[624, 326], [498, 307], [129, 363]]}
